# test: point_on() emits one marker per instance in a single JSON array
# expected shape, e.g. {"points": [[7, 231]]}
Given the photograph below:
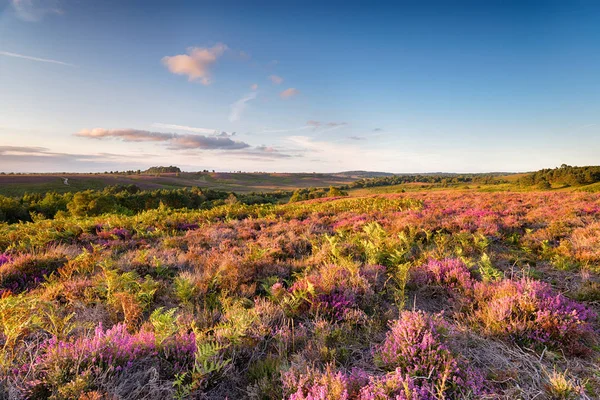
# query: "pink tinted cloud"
{"points": [[288, 93], [197, 63], [276, 79]]}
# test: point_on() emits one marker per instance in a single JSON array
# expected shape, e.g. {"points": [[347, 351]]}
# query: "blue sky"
{"points": [[299, 85]]}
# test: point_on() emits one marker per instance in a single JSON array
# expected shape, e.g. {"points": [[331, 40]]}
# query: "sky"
{"points": [[299, 86]]}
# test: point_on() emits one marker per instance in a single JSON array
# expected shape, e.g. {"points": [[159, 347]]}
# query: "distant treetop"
{"points": [[565, 175], [159, 170]]}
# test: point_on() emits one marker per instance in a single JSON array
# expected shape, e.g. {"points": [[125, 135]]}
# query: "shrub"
{"points": [[530, 312], [111, 351], [414, 348], [312, 384], [450, 273], [27, 271]]}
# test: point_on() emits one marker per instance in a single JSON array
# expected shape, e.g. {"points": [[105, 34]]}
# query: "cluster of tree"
{"points": [[128, 172], [163, 170], [122, 199], [442, 179], [565, 175], [316, 193]]}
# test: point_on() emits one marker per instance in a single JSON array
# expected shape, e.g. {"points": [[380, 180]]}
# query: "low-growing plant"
{"points": [[530, 312], [488, 272]]}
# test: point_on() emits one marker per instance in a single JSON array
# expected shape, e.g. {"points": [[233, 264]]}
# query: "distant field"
{"points": [[512, 186], [17, 185]]}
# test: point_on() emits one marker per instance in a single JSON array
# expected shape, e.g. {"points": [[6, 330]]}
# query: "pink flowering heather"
{"points": [[115, 233], [27, 271], [116, 349], [186, 226], [530, 311], [398, 386], [4, 258], [414, 347], [335, 304], [451, 273], [328, 385]]}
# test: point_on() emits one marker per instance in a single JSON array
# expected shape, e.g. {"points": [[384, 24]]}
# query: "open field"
{"points": [[420, 295], [17, 185]]}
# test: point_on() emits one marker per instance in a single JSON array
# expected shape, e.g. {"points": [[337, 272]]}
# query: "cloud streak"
{"points": [[35, 10], [265, 153], [175, 141], [206, 131], [38, 59], [239, 106], [197, 63], [319, 124]]}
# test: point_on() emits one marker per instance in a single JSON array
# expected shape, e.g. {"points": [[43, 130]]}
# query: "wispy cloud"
{"points": [[206, 131], [35, 10], [21, 150], [276, 79], [197, 63], [286, 130], [289, 93], [239, 106], [45, 60], [182, 142], [127, 135], [265, 153], [357, 138], [254, 86], [319, 124], [42, 159], [175, 141], [44, 152]]}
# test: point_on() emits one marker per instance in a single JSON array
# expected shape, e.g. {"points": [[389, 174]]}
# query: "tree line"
{"points": [[121, 199], [565, 175]]}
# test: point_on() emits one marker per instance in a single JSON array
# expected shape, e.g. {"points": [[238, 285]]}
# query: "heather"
{"points": [[423, 295]]}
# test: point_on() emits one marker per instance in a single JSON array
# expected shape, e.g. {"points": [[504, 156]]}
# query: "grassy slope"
{"points": [[17, 185]]}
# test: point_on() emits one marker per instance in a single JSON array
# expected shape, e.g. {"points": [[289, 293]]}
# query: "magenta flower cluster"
{"points": [[116, 348], [414, 347], [5, 258], [185, 226], [118, 233], [335, 304], [421, 367], [531, 311], [450, 273]]}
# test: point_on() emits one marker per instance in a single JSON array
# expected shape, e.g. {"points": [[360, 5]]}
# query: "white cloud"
{"points": [[45, 60], [197, 64], [288, 93], [239, 106], [174, 140], [276, 79]]}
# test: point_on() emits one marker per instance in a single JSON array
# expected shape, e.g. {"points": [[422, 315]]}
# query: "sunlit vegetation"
{"points": [[423, 295], [121, 199]]}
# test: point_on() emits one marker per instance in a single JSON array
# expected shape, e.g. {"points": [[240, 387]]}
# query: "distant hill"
{"points": [[364, 174]]}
